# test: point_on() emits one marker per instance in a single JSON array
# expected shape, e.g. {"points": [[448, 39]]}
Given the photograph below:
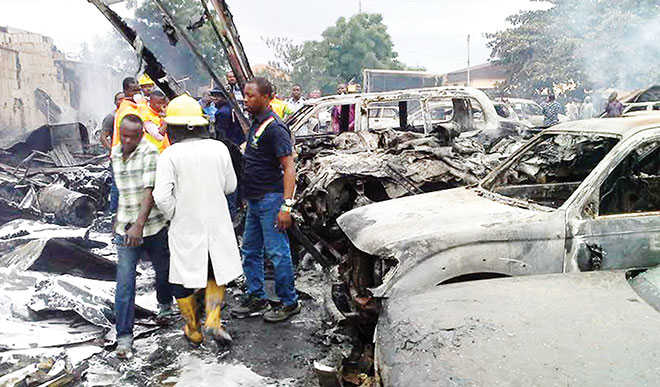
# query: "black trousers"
{"points": [[181, 292]]}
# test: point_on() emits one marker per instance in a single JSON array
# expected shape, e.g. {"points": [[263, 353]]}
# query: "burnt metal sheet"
{"points": [[552, 330], [47, 137], [29, 245]]}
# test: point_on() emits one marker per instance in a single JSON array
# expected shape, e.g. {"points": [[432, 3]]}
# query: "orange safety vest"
{"points": [[146, 113]]}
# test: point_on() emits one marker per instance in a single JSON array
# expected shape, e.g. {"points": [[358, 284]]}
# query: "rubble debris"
{"points": [[50, 174], [36, 246], [366, 167], [53, 366], [46, 138], [69, 207]]}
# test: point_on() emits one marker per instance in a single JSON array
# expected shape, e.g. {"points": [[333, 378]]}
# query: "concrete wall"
{"points": [[28, 62]]}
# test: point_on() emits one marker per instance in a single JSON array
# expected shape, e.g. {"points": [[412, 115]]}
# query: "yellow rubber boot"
{"points": [[188, 307], [213, 325]]}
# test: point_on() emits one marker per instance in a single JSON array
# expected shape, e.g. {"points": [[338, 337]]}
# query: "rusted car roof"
{"points": [[622, 126]]}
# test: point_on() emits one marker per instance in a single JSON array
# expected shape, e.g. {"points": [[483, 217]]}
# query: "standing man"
{"points": [[587, 111], [128, 105], [193, 177], [226, 122], [140, 229], [235, 89], [229, 131], [614, 108], [551, 111], [109, 122], [572, 111], [208, 105], [296, 101], [154, 126], [269, 180], [146, 85], [106, 140], [335, 114]]}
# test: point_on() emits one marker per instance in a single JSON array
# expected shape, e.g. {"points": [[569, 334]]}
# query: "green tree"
{"points": [[357, 43], [592, 44], [348, 47]]}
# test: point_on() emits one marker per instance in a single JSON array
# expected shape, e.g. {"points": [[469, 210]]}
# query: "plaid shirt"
{"points": [[132, 177], [551, 112]]}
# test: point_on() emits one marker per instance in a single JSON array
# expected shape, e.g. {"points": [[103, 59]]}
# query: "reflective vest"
{"points": [[280, 108], [147, 114]]}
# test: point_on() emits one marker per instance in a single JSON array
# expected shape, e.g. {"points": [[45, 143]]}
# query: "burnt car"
{"points": [[448, 137], [444, 111], [581, 196], [576, 329]]}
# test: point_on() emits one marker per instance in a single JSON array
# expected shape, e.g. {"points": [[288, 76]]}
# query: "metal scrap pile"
{"points": [[57, 281], [51, 174], [57, 298], [360, 168]]}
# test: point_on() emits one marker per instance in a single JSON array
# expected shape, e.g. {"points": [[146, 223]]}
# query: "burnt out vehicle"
{"points": [[377, 160], [581, 196], [443, 111], [576, 329]]}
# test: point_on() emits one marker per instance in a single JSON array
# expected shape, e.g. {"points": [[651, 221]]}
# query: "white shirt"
{"points": [[192, 179], [295, 105]]}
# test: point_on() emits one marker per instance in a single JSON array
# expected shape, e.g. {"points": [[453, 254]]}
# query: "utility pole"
{"points": [[359, 7], [468, 60]]}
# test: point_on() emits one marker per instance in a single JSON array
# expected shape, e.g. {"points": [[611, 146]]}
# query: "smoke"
{"points": [[98, 76], [620, 49]]}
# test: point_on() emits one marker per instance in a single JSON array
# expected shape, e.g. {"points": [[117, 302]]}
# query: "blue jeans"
{"points": [[156, 248], [261, 234], [114, 194], [232, 203]]}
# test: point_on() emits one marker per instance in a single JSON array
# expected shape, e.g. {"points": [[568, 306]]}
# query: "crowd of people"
{"points": [[576, 110], [176, 190]]}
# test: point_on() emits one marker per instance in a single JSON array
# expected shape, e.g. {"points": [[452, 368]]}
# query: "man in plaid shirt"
{"points": [[140, 227]]}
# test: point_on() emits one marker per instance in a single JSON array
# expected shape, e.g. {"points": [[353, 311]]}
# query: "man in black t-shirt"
{"points": [[269, 178]]}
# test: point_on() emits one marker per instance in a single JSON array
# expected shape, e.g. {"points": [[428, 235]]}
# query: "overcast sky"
{"points": [[427, 33]]}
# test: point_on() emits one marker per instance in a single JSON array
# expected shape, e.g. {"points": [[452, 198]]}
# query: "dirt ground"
{"points": [[262, 354]]}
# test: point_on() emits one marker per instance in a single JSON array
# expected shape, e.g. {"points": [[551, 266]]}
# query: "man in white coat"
{"points": [[192, 178]]}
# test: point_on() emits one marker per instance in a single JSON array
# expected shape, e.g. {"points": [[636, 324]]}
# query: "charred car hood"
{"points": [[550, 330], [415, 228], [443, 219]]}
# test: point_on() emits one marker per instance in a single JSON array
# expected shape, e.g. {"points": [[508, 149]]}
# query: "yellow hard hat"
{"points": [[145, 80], [185, 110]]}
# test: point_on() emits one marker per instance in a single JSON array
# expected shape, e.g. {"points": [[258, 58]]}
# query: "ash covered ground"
{"points": [[77, 312]]}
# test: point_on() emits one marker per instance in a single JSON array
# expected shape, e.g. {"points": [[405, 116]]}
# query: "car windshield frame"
{"points": [[487, 184]]}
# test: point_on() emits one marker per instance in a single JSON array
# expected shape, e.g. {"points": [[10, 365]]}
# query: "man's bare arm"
{"points": [[134, 234], [284, 219]]}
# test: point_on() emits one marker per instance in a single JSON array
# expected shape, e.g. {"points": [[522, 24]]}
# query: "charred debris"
{"points": [[57, 265]]}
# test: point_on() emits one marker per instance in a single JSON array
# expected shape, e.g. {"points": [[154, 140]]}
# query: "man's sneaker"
{"points": [[124, 347], [251, 307], [281, 313], [165, 313]]}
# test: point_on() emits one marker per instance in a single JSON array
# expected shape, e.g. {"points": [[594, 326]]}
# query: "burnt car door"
{"points": [[621, 225], [315, 127]]}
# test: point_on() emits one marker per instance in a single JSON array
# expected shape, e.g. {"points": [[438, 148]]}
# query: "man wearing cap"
{"points": [[193, 176]]}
